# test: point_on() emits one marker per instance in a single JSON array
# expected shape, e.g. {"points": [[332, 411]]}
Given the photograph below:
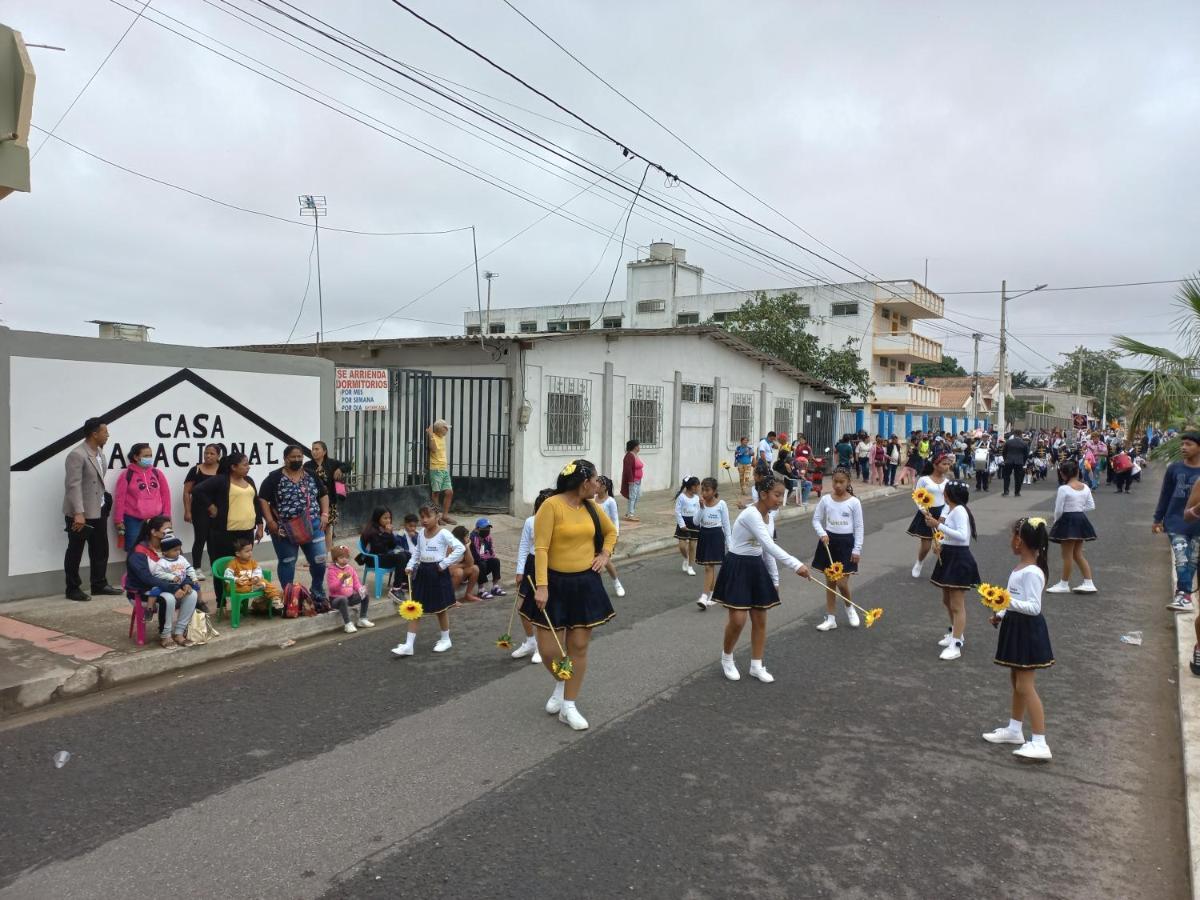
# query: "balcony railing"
{"points": [[907, 346], [910, 299], [907, 394]]}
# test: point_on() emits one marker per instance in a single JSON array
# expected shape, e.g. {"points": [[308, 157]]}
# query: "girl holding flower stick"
{"points": [[1024, 641], [714, 535], [429, 579], [749, 581], [525, 576], [687, 508], [838, 521], [572, 539], [935, 484], [956, 571]]}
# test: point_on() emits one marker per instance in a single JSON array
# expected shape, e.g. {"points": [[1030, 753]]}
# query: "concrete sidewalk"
{"points": [[1189, 727], [52, 648]]}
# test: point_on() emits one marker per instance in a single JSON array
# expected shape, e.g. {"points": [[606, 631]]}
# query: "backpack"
{"points": [[319, 604], [296, 600]]}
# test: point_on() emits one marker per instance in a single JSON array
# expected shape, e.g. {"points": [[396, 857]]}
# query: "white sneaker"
{"points": [[349, 628], [1181, 603], [402, 650], [761, 674], [946, 638], [620, 589], [1062, 587], [1030, 750], [569, 715], [365, 623], [916, 569], [1086, 588], [537, 657], [690, 570], [200, 576], [729, 667], [827, 624], [554, 704], [527, 646], [852, 617], [953, 650], [1004, 736], [705, 601], [442, 645], [685, 566]]}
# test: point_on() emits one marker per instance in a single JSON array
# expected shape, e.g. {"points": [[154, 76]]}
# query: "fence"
{"points": [[820, 421]]}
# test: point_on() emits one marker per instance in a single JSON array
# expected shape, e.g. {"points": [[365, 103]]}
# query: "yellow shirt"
{"points": [[563, 537], [437, 451], [241, 508]]}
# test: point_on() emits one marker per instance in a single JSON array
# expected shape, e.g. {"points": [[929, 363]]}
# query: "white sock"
{"points": [[616, 582], [410, 639], [830, 617], [704, 596], [1039, 739], [756, 664], [1015, 725], [726, 657], [531, 641], [568, 704], [559, 688], [445, 635]]}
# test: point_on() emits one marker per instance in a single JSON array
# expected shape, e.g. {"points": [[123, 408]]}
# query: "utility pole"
{"points": [[1104, 415], [975, 386], [314, 205], [1079, 386], [488, 316], [1003, 355]]}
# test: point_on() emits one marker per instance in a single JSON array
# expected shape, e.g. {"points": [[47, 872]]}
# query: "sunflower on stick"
{"points": [[410, 609], [870, 616], [505, 640], [835, 570], [923, 497], [562, 668], [994, 597], [726, 467]]}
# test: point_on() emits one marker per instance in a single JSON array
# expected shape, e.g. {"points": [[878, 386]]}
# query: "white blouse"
{"points": [[751, 536], [610, 507], [686, 507], [937, 488], [525, 547], [839, 517], [443, 548], [1070, 500], [957, 528], [715, 516], [1026, 585]]}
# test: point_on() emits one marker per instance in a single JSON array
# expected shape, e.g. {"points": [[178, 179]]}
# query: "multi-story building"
{"points": [[664, 290]]}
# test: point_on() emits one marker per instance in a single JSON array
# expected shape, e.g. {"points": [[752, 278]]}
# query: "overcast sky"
{"points": [[1028, 141]]}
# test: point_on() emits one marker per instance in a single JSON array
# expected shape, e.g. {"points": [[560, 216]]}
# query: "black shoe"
{"points": [[1005, 494], [107, 591], [77, 595], [1195, 663]]}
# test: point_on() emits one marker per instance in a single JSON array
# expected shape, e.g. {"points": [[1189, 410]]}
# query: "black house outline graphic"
{"points": [[69, 440]]}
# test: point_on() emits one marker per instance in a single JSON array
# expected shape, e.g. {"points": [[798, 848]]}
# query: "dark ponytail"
{"points": [[690, 481], [574, 474], [1033, 534], [959, 494]]}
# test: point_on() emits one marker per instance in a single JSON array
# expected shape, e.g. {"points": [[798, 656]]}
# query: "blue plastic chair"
{"points": [[380, 571]]}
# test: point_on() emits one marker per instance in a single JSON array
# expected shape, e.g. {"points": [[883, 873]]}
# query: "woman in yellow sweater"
{"points": [[573, 539]]}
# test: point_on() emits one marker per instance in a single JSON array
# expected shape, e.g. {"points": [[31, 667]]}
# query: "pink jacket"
{"points": [[343, 582], [142, 493]]}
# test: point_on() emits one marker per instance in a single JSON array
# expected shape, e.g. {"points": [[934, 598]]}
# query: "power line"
{"points": [[1078, 287], [624, 231]]}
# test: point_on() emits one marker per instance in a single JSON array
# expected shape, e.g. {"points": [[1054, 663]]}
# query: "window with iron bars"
{"points": [[687, 393], [741, 416], [706, 393], [496, 328], [528, 327], [645, 414], [784, 416], [568, 408]]}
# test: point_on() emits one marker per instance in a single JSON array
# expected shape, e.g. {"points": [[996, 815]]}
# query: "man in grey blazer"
{"points": [[85, 509]]}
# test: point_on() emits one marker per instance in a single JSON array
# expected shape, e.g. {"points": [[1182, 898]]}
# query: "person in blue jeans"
{"points": [[1178, 481], [291, 499]]}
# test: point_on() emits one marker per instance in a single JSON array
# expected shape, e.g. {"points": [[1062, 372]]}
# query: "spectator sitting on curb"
{"points": [[345, 588], [485, 557], [465, 570]]}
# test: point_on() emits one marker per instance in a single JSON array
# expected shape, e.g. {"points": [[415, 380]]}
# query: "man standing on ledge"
{"points": [[1016, 452], [439, 468], [85, 510]]}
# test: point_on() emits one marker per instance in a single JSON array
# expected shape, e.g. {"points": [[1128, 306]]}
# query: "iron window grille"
{"points": [[645, 414], [784, 416], [706, 393], [612, 321], [568, 408], [650, 306], [843, 309], [687, 318], [473, 330], [528, 327], [496, 328], [741, 416], [688, 393]]}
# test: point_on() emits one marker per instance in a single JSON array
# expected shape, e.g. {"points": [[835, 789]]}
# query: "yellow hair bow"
{"points": [[568, 469]]}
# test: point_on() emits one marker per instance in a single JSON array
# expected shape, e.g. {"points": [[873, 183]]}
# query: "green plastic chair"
{"points": [[233, 597]]}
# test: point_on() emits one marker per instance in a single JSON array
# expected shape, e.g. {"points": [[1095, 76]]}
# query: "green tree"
{"points": [[1095, 365], [1015, 409], [1165, 390], [780, 326], [947, 368], [1023, 379]]}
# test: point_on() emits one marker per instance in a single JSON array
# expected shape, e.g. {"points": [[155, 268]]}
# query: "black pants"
{"points": [[1017, 474], [489, 568], [982, 478], [1123, 479], [343, 604], [97, 545], [200, 523], [220, 543]]}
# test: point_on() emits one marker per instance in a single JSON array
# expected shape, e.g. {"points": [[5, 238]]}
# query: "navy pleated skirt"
{"points": [[689, 531], [526, 588], [710, 549], [841, 546], [576, 600], [432, 588], [1024, 642], [1072, 526], [918, 528], [956, 568], [745, 583]]}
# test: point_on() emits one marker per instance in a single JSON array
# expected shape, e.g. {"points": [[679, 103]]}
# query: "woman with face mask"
{"points": [[141, 493], [295, 506]]}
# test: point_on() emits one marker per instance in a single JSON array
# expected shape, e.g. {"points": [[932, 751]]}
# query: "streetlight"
{"points": [[1004, 298], [314, 205]]}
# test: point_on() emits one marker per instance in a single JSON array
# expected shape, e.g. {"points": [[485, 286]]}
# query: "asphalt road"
{"points": [[335, 771]]}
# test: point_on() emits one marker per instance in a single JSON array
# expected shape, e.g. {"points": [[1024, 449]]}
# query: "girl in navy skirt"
{"points": [[572, 540], [525, 576], [1024, 642], [429, 579], [749, 581], [713, 522], [838, 521], [934, 482], [1072, 528], [956, 571], [687, 532]]}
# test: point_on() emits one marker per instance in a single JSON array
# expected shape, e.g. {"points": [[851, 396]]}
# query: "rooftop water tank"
{"points": [[661, 251], [679, 254]]}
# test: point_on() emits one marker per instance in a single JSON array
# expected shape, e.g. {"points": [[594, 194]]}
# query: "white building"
{"points": [[522, 406], [666, 291]]}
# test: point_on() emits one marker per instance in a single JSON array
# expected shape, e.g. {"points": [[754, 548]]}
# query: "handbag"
{"points": [[298, 529], [339, 488], [200, 629]]}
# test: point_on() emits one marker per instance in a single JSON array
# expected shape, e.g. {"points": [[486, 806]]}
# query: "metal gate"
{"points": [[820, 423]]}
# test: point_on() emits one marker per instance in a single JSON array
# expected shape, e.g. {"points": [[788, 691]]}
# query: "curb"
{"points": [[1189, 728]]}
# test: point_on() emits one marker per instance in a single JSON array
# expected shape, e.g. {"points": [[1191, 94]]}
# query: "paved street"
{"points": [[332, 770]]}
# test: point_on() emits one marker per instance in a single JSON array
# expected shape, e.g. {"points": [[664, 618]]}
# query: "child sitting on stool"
{"points": [[248, 576]]}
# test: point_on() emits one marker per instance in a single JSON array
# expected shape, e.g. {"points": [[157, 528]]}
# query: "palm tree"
{"points": [[1168, 387]]}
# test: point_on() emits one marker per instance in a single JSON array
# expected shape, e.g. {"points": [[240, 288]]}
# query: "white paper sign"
{"points": [[362, 390]]}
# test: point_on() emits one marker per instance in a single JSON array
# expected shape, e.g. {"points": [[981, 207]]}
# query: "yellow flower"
{"points": [[724, 464], [922, 498], [835, 572], [504, 641], [411, 610], [938, 536], [568, 469], [1003, 599], [562, 668], [873, 615]]}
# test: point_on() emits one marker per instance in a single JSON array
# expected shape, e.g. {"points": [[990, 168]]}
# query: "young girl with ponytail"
{"points": [[1024, 642], [687, 511], [956, 571]]}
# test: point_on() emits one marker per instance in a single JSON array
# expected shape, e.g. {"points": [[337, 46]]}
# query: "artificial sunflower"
{"points": [[922, 498], [873, 615], [990, 594], [411, 609], [724, 464], [938, 536], [563, 668], [835, 571], [1003, 599], [504, 641]]}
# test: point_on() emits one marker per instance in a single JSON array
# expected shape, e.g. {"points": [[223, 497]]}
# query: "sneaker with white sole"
{"points": [[916, 569], [1030, 750], [946, 638], [1181, 603], [684, 567], [442, 645], [569, 715], [761, 673], [525, 649], [1063, 587], [536, 658], [953, 650], [554, 705], [690, 570], [1086, 588], [498, 591], [365, 623], [729, 667], [402, 650], [349, 628], [1003, 735], [827, 624], [619, 588], [852, 617], [705, 601], [200, 576]]}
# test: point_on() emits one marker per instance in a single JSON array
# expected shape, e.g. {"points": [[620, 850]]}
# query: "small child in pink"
{"points": [[345, 587]]}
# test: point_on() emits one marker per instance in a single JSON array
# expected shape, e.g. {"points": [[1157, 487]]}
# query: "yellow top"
{"points": [[437, 451], [241, 508], [563, 537]]}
